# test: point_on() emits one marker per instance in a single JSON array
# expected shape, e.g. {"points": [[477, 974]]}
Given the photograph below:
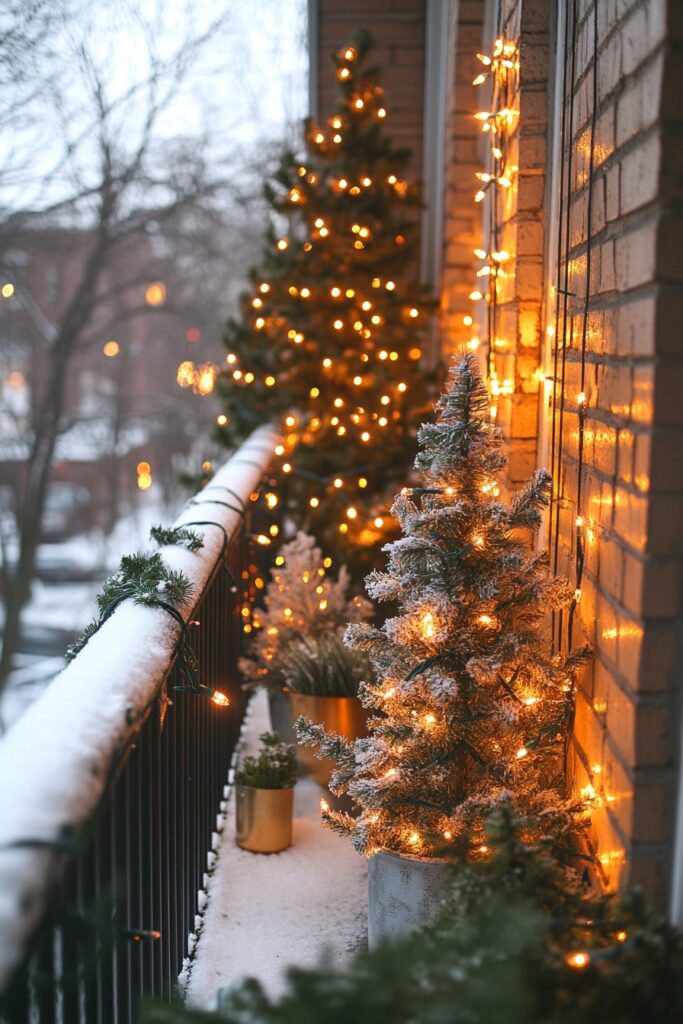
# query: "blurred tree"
{"points": [[141, 205]]}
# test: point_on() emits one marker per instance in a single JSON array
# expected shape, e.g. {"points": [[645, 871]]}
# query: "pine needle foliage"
{"points": [[324, 667], [145, 579], [176, 535], [303, 601], [472, 706], [499, 952], [274, 767], [329, 339]]}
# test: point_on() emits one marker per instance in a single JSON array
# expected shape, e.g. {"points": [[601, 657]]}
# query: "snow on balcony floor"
{"points": [[268, 912]]}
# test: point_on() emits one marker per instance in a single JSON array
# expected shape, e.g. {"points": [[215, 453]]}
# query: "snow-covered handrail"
{"points": [[56, 761]]}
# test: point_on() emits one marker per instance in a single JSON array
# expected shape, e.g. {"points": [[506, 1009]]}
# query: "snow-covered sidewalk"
{"points": [[266, 913]]}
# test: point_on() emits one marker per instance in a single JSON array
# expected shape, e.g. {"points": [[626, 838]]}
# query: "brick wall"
{"points": [[399, 30], [627, 716], [626, 730]]}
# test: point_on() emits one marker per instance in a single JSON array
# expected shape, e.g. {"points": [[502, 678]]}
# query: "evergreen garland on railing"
{"points": [[179, 535], [145, 579]]}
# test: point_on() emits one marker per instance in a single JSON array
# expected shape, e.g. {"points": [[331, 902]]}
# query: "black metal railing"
{"points": [[127, 899]]}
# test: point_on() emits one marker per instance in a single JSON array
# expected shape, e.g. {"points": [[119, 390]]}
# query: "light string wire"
{"points": [[492, 313], [562, 291], [582, 402]]}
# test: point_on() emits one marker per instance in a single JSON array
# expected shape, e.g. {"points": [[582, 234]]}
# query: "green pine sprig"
{"points": [[181, 536]]}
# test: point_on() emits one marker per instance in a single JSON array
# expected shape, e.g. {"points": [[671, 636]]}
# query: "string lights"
{"points": [[500, 73]]}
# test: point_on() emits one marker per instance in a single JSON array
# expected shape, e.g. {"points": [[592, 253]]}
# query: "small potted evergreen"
{"points": [[323, 677], [264, 794], [302, 600]]}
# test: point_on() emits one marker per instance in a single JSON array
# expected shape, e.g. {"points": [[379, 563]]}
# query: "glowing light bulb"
{"points": [[324, 806], [338, 324], [351, 512], [427, 625], [521, 753], [414, 838], [578, 960], [314, 502], [220, 699], [282, 244]]}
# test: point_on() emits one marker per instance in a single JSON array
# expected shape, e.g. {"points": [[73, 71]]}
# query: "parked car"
{"points": [[68, 511]]}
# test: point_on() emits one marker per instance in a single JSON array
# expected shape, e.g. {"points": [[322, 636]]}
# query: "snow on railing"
{"points": [[56, 761]]}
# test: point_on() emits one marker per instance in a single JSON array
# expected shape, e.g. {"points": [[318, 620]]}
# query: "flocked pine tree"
{"points": [[328, 344], [303, 602], [473, 704]]}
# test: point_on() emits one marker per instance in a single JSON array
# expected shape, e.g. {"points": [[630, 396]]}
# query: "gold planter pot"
{"points": [[345, 716], [264, 818]]}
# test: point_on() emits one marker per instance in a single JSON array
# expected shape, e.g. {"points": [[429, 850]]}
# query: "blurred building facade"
{"points": [[122, 399]]}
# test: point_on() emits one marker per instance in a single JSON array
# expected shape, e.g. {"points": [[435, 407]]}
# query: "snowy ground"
{"points": [[266, 913]]}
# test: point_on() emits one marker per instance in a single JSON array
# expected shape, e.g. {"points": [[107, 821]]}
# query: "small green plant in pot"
{"points": [[323, 677], [264, 794]]}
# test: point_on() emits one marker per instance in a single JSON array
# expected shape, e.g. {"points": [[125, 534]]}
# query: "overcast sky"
{"points": [[247, 82]]}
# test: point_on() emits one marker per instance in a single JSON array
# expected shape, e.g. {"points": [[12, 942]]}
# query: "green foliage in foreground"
{"points": [[496, 954], [273, 768]]}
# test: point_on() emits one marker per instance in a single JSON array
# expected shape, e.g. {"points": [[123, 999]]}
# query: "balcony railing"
{"points": [[111, 783]]}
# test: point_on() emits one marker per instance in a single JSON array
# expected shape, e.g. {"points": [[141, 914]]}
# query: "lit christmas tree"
{"points": [[474, 707], [329, 341], [303, 602]]}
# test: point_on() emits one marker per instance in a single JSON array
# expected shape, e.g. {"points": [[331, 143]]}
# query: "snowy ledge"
{"points": [[266, 913], [56, 761]]}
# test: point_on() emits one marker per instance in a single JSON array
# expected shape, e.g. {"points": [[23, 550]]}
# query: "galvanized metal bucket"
{"points": [[281, 714], [263, 818], [345, 716], [403, 893]]}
